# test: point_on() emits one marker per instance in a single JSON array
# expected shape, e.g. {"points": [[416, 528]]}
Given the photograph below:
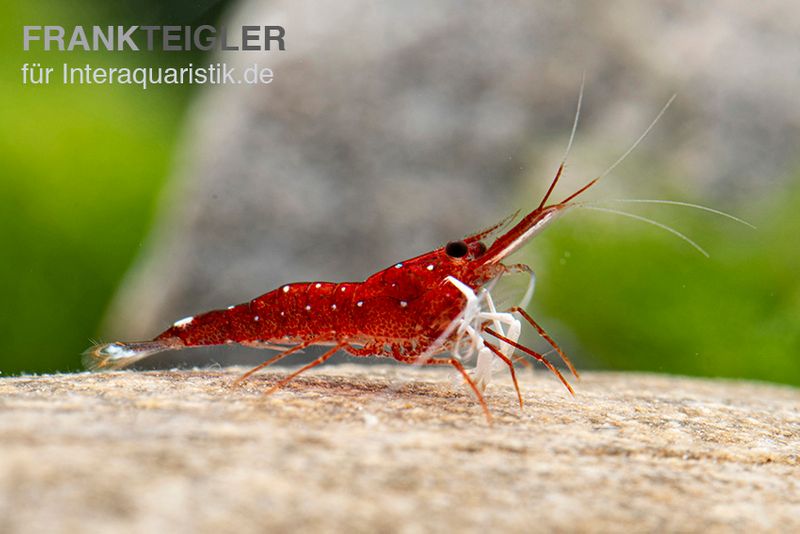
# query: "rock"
{"points": [[395, 449]]}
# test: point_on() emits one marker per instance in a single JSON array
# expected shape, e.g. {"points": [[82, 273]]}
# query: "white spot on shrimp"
{"points": [[318, 285], [430, 267], [333, 306], [403, 304], [360, 303], [285, 289], [113, 349], [283, 313], [183, 322], [231, 307], [118, 351], [344, 288], [308, 307], [256, 318], [398, 266]]}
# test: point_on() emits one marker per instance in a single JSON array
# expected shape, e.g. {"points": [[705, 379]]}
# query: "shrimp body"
{"points": [[412, 311], [395, 312], [377, 312]]}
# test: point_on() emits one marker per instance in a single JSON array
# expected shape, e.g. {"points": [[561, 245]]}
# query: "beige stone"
{"points": [[394, 448]]}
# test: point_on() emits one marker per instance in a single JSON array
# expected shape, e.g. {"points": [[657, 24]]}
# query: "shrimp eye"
{"points": [[480, 249], [456, 249]]}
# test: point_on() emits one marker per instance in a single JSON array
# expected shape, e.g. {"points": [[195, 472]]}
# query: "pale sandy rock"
{"points": [[394, 449]]}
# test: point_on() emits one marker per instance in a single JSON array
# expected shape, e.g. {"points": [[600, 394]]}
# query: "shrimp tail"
{"points": [[117, 355]]}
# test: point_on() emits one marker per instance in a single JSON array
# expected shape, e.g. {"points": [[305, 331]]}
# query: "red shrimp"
{"points": [[434, 309]]}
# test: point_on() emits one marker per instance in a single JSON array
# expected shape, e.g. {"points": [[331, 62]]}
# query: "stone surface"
{"points": [[391, 448]]}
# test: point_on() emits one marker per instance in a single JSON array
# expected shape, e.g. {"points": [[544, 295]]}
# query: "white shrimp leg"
{"points": [[484, 373], [472, 320], [514, 326]]}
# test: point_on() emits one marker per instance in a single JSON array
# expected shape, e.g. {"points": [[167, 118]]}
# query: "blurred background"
{"points": [[391, 129]]}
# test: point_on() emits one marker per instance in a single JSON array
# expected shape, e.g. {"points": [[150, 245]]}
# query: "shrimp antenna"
{"points": [[494, 229], [649, 221], [685, 204], [624, 155], [569, 144]]}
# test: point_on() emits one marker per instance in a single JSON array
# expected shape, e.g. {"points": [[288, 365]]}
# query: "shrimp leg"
{"points": [[510, 364], [455, 363], [321, 359], [534, 354], [272, 360], [547, 338]]}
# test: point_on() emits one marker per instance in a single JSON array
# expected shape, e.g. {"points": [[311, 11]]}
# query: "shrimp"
{"points": [[433, 309]]}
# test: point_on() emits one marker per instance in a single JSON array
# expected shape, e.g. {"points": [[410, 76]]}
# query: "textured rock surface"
{"points": [[394, 449]]}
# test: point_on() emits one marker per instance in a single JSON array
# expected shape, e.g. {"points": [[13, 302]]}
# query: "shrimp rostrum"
{"points": [[434, 309]]}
